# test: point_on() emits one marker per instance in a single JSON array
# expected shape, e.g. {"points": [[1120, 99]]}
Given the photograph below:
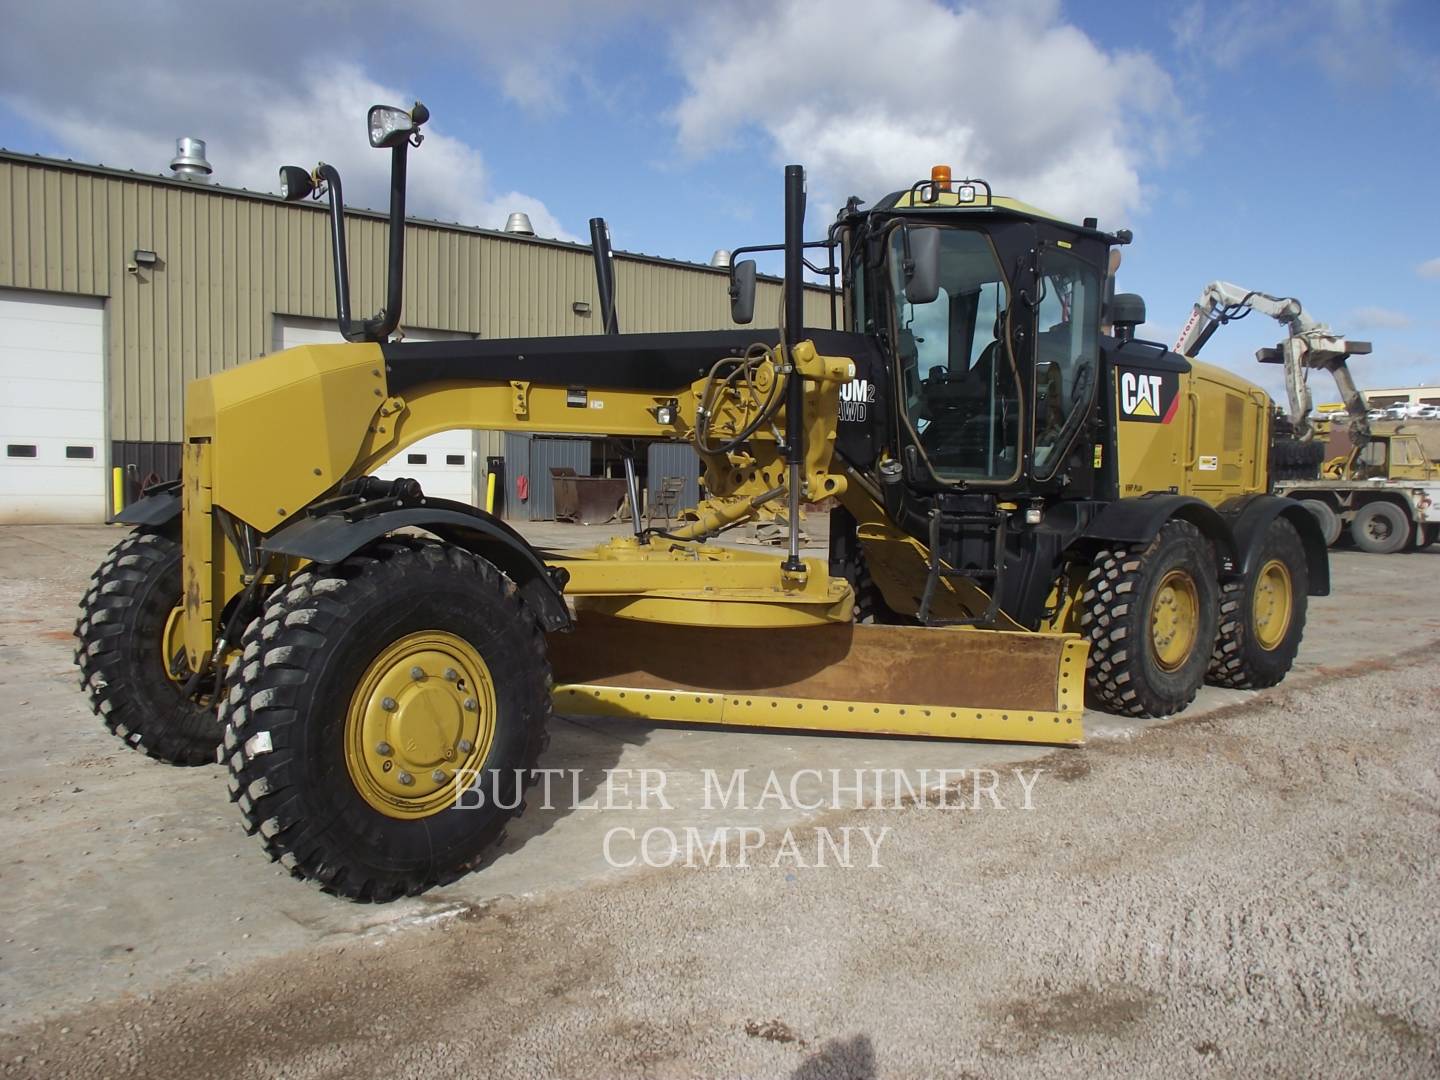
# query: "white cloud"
{"points": [[123, 91], [1430, 268], [1378, 318], [1006, 91], [325, 121]]}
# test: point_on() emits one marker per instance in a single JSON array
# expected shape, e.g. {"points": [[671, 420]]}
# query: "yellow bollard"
{"points": [[490, 493], [117, 489]]}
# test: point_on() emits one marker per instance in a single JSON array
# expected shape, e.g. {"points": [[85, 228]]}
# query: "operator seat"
{"points": [[962, 429]]}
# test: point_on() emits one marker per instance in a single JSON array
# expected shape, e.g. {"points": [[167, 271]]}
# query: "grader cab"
{"points": [[1030, 510]]}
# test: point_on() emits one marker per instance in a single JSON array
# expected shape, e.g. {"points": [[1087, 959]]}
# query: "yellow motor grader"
{"points": [[1032, 504]]}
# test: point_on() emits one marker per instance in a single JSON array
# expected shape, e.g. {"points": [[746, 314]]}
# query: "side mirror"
{"points": [[295, 183], [922, 264], [390, 126], [742, 291]]}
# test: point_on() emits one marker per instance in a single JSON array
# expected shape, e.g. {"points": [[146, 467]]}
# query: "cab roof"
{"points": [[923, 197], [906, 200]]}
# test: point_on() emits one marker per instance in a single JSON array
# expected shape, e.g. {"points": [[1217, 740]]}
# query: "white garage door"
{"points": [[445, 464], [52, 408]]}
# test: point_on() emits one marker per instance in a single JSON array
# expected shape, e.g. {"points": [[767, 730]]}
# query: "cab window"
{"points": [[1373, 460], [958, 383], [1066, 354]]}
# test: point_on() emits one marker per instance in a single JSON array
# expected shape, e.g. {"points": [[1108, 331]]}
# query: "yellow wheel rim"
{"points": [[172, 646], [1272, 604], [1174, 619], [421, 719]]}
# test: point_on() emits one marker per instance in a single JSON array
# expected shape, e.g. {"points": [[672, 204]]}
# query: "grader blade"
{"points": [[956, 683]]}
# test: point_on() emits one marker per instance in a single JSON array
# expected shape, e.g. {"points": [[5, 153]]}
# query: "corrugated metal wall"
{"points": [[547, 454], [664, 459], [229, 261], [533, 456], [517, 464]]}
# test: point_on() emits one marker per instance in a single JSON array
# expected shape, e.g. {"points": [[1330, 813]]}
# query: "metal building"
{"points": [[116, 288]]}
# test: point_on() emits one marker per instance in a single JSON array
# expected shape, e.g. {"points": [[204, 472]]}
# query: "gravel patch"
{"points": [[1254, 891]]}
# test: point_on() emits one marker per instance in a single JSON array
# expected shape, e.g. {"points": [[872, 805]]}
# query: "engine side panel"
{"points": [[1186, 428]]}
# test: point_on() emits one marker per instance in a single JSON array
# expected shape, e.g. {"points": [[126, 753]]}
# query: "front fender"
{"points": [[1251, 516], [331, 537], [160, 505]]}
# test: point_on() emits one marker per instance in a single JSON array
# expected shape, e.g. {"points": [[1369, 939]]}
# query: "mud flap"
{"points": [[957, 683]]}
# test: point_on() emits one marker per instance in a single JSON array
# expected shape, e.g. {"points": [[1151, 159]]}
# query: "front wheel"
{"points": [[1150, 612], [132, 665], [1262, 614], [369, 697]]}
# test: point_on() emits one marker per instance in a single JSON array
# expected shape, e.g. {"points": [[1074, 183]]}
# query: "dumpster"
{"points": [[586, 500]]}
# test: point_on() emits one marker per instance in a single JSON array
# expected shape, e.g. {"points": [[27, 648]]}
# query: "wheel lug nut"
{"points": [[405, 778], [465, 746], [417, 673], [451, 675], [388, 704], [438, 776], [382, 748], [469, 704]]}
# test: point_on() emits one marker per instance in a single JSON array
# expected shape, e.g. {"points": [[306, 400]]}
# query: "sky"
{"points": [[1290, 146]]}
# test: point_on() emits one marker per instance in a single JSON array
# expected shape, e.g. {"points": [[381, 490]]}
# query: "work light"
{"points": [[295, 183], [391, 126]]}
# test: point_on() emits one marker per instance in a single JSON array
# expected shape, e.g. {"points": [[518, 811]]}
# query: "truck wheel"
{"points": [[1150, 612], [1262, 615], [132, 667], [368, 696], [1380, 528], [1325, 515]]}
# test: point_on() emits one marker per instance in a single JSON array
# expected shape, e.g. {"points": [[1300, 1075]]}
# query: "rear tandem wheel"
{"points": [[1381, 528], [1262, 614], [1329, 521]]}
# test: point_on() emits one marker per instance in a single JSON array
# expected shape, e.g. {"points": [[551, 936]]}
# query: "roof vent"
{"points": [[189, 161], [720, 258], [519, 224]]}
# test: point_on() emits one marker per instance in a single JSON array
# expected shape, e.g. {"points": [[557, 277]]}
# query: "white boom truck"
{"points": [[1385, 495]]}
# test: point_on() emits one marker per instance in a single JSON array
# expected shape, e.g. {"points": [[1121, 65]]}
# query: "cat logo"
{"points": [[1149, 396]]}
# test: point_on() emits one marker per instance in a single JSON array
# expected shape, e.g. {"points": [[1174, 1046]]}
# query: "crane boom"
{"points": [[1308, 345]]}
